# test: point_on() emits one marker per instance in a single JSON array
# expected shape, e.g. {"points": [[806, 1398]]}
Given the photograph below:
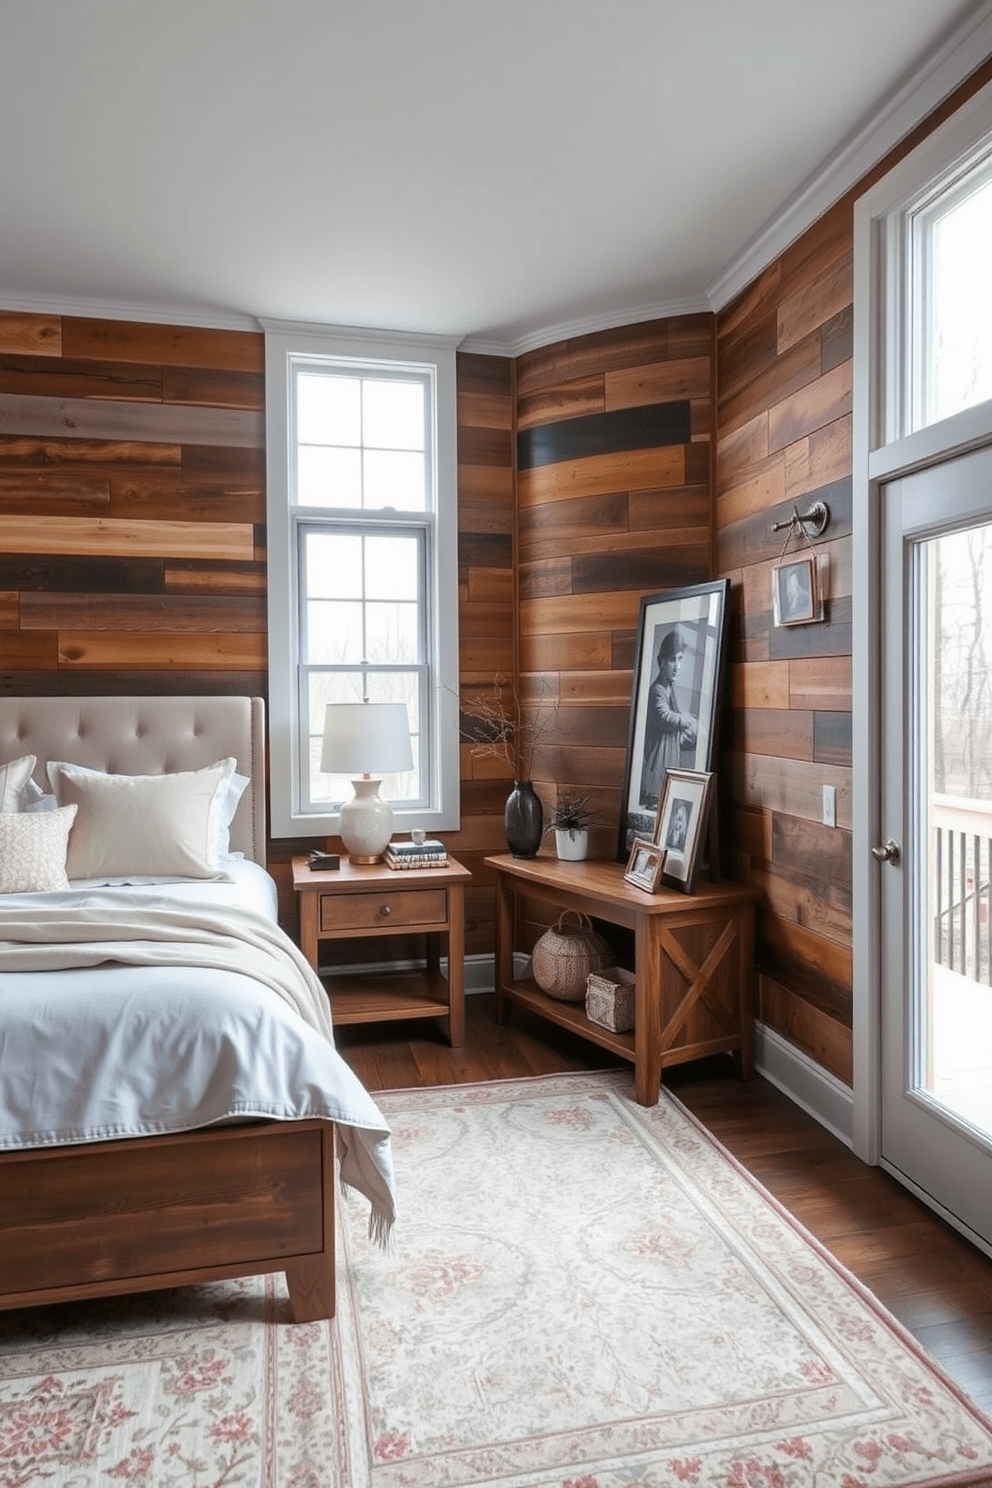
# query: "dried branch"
{"points": [[501, 727]]}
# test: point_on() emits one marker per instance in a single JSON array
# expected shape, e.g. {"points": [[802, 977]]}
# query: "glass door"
{"points": [[935, 851]]}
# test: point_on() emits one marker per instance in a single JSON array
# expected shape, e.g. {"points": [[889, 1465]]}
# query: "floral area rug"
{"points": [[582, 1293]]}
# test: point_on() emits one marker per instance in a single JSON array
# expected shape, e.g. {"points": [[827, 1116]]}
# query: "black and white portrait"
{"points": [[674, 712], [678, 825], [795, 593]]}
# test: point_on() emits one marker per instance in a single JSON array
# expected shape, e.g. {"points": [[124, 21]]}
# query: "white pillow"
{"points": [[33, 850], [166, 826], [15, 779], [230, 795]]}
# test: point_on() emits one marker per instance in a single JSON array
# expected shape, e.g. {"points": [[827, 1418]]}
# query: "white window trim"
{"points": [[885, 446], [283, 339]]}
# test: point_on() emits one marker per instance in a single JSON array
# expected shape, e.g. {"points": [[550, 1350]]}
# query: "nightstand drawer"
{"points": [[357, 912]]}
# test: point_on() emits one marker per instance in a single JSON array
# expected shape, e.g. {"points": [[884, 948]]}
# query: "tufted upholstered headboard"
{"points": [[147, 736]]}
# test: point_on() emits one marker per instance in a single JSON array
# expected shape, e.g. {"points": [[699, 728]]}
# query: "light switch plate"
{"points": [[829, 805]]}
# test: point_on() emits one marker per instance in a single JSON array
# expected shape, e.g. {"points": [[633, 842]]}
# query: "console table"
{"points": [[694, 962]]}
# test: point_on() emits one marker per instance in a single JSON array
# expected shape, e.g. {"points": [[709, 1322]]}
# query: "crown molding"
{"points": [[586, 325], [181, 315], [962, 51], [359, 336]]}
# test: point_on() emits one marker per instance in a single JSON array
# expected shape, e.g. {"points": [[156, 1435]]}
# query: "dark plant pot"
{"points": [[523, 820]]}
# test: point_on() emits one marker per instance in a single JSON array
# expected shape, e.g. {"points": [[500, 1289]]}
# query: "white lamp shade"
{"points": [[366, 739]]}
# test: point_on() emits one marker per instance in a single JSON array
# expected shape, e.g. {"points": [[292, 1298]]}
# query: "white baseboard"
{"points": [[827, 1099]]}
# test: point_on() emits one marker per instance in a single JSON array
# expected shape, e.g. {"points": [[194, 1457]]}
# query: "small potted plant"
{"points": [[570, 822]]}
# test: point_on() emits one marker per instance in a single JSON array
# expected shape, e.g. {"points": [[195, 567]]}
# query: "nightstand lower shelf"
{"points": [[367, 998]]}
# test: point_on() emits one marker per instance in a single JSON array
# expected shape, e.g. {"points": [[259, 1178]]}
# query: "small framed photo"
{"points": [[644, 864], [796, 592], [680, 826]]}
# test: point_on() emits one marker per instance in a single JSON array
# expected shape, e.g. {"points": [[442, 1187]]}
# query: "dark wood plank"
{"points": [[222, 464], [648, 426], [64, 378], [810, 964], [113, 682], [150, 496], [97, 575], [832, 738], [198, 614], [754, 540], [648, 571], [55, 494]]}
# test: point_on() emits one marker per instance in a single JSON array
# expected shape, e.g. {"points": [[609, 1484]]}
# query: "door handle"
{"points": [[887, 853]]}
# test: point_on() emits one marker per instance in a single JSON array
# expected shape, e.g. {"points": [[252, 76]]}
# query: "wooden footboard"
{"points": [[130, 1216]]}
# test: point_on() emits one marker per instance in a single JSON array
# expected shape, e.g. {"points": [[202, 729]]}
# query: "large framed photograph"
{"points": [[644, 864], [680, 828], [675, 706]]}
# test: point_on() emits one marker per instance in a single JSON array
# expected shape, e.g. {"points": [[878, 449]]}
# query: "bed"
{"points": [[172, 1108]]}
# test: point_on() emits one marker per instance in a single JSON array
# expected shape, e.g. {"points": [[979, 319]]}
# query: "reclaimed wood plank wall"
{"points": [[613, 498], [783, 438], [132, 527], [485, 612], [132, 507]]}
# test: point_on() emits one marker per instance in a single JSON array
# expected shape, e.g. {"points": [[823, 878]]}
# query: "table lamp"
{"points": [[366, 741]]}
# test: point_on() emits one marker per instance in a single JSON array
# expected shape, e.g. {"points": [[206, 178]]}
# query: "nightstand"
{"points": [[361, 901]]}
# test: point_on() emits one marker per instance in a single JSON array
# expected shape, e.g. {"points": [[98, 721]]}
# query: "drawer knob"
{"points": [[385, 910]]}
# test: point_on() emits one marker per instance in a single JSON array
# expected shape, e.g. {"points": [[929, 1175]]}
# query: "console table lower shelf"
{"points": [[693, 954]]}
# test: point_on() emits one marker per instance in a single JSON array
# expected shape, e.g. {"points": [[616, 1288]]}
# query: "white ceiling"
{"points": [[501, 170]]}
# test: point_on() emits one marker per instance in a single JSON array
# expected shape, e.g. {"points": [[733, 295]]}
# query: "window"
{"points": [[928, 233], [952, 237], [362, 562]]}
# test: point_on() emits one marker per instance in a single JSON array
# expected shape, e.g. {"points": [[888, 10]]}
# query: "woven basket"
{"points": [[566, 954], [610, 999]]}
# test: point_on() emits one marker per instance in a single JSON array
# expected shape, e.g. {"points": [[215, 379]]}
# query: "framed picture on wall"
{"points": [[796, 592], [674, 712]]}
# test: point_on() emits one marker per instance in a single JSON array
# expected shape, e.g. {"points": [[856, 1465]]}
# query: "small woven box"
{"points": [[610, 999]]}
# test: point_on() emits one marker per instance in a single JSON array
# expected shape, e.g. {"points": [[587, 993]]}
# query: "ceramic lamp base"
{"points": [[366, 823]]}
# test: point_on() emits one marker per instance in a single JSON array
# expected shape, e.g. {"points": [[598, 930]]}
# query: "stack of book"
{"points": [[431, 853]]}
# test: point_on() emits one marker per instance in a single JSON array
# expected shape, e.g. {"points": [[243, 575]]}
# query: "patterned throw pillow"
{"points": [[14, 778], [33, 848]]}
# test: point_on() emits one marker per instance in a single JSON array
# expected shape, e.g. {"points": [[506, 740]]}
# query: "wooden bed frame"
{"points": [[105, 1218]]}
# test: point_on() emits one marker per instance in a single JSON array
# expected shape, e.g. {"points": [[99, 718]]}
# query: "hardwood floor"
{"points": [[933, 1280]]}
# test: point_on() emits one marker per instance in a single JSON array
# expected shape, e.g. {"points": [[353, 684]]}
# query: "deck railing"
{"points": [[962, 856]]}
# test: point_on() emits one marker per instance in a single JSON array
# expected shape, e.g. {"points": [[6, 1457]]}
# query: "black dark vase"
{"points": [[523, 820]]}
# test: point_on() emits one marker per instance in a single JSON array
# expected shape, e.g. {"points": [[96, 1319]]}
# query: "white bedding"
{"points": [[110, 1051]]}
